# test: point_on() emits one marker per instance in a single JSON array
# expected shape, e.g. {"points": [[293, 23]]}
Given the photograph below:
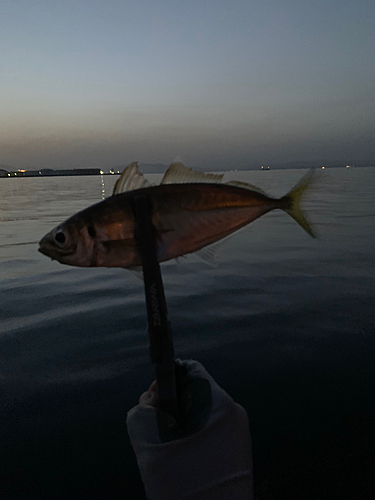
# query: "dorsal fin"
{"points": [[245, 185], [130, 180], [177, 173]]}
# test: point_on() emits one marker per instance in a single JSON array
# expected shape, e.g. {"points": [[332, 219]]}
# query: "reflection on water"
{"points": [[285, 324]]}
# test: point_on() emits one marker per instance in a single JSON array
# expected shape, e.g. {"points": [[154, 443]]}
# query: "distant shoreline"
{"points": [[55, 173], [4, 174]]}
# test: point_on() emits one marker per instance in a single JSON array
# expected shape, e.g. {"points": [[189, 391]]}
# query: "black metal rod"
{"points": [[160, 334]]}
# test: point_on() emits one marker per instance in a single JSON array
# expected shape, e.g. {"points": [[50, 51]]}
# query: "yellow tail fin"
{"points": [[290, 203]]}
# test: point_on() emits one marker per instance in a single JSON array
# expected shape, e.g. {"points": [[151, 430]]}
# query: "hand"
{"points": [[149, 397]]}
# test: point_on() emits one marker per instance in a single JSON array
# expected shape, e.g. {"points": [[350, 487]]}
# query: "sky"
{"points": [[216, 84]]}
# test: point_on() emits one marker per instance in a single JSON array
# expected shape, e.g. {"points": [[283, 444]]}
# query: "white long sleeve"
{"points": [[213, 463]]}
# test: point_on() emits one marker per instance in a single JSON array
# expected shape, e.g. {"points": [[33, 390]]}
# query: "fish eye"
{"points": [[60, 237]]}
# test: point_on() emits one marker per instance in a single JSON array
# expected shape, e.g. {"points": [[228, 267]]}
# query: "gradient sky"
{"points": [[214, 83]]}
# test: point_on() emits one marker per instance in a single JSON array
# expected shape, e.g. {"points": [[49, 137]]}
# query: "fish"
{"points": [[191, 211]]}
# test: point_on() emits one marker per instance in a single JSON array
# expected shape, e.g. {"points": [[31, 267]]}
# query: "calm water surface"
{"points": [[285, 324]]}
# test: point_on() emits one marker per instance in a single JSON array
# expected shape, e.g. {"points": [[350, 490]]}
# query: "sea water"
{"points": [[285, 324]]}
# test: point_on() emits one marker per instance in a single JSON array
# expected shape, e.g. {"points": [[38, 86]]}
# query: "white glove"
{"points": [[212, 463]]}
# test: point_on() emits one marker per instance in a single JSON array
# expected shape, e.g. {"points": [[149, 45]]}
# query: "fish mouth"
{"points": [[46, 247]]}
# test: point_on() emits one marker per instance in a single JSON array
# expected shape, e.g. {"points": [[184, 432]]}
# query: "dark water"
{"points": [[285, 324]]}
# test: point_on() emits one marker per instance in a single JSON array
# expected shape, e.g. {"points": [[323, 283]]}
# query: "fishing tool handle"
{"points": [[160, 333]]}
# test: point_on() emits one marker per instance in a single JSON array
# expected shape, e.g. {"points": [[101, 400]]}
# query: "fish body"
{"points": [[187, 217]]}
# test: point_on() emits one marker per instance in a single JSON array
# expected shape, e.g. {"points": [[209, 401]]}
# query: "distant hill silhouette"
{"points": [[7, 167], [147, 168]]}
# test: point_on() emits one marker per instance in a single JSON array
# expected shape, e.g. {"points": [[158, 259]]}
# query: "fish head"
{"points": [[85, 241], [66, 244]]}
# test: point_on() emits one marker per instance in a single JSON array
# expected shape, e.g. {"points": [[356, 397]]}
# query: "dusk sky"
{"points": [[217, 84]]}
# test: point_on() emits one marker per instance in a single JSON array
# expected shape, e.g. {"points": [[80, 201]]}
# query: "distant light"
{"points": [[8, 175], [101, 172], [40, 173], [118, 171], [323, 168], [15, 173], [21, 170]]}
